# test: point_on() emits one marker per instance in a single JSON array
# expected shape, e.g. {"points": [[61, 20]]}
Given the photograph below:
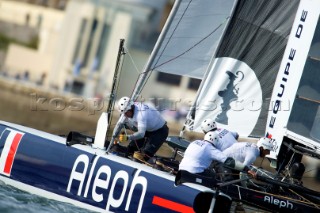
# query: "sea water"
{"points": [[13, 200]]}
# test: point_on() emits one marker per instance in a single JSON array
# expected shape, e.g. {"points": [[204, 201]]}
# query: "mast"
{"points": [[115, 81], [143, 76], [106, 117]]}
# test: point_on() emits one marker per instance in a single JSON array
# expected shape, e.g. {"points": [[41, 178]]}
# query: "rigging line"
{"points": [[280, 196], [222, 173], [314, 58], [265, 173], [307, 99], [139, 74], [239, 192], [134, 64], [144, 83], [314, 204], [250, 205], [261, 162], [132, 61], [310, 171], [184, 12], [135, 141], [196, 44]]}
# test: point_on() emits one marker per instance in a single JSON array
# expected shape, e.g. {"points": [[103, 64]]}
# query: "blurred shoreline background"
{"points": [[55, 113], [19, 105], [57, 59]]}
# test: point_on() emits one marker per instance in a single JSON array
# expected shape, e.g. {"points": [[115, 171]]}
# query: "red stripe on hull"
{"points": [[12, 153], [168, 204]]}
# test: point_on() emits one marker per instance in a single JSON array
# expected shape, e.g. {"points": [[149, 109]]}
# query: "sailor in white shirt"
{"points": [[247, 153], [200, 153], [151, 129], [227, 138]]}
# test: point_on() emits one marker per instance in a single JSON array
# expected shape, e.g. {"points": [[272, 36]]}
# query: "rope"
{"points": [[308, 99], [280, 196], [238, 187], [283, 197], [132, 61], [315, 205]]}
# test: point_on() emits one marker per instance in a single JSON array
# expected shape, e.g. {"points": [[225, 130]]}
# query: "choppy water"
{"points": [[13, 200]]}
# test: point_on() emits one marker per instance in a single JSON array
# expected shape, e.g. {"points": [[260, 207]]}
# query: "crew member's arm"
{"points": [[235, 135], [142, 126], [217, 155], [140, 129], [250, 158], [230, 162], [139, 134], [234, 164]]}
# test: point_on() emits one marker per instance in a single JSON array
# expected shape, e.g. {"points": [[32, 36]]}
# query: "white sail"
{"points": [[192, 37]]}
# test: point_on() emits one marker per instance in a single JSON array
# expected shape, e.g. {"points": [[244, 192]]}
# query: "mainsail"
{"points": [[237, 89], [264, 80]]}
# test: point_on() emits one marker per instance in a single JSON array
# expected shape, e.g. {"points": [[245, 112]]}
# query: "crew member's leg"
{"points": [[135, 145], [155, 140]]}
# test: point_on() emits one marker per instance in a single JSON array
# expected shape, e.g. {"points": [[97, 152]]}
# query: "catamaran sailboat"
{"points": [[255, 57]]}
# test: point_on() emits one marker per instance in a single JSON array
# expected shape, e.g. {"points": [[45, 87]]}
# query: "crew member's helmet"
{"points": [[212, 137], [265, 143], [208, 125], [124, 104]]}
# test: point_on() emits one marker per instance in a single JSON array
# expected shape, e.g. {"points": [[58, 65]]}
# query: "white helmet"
{"points": [[124, 104], [208, 125], [266, 143], [212, 137]]}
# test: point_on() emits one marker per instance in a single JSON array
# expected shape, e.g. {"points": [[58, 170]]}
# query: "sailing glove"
{"points": [[123, 138]]}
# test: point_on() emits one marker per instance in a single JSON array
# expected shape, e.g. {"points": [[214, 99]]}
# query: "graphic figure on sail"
{"points": [[228, 95]]}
